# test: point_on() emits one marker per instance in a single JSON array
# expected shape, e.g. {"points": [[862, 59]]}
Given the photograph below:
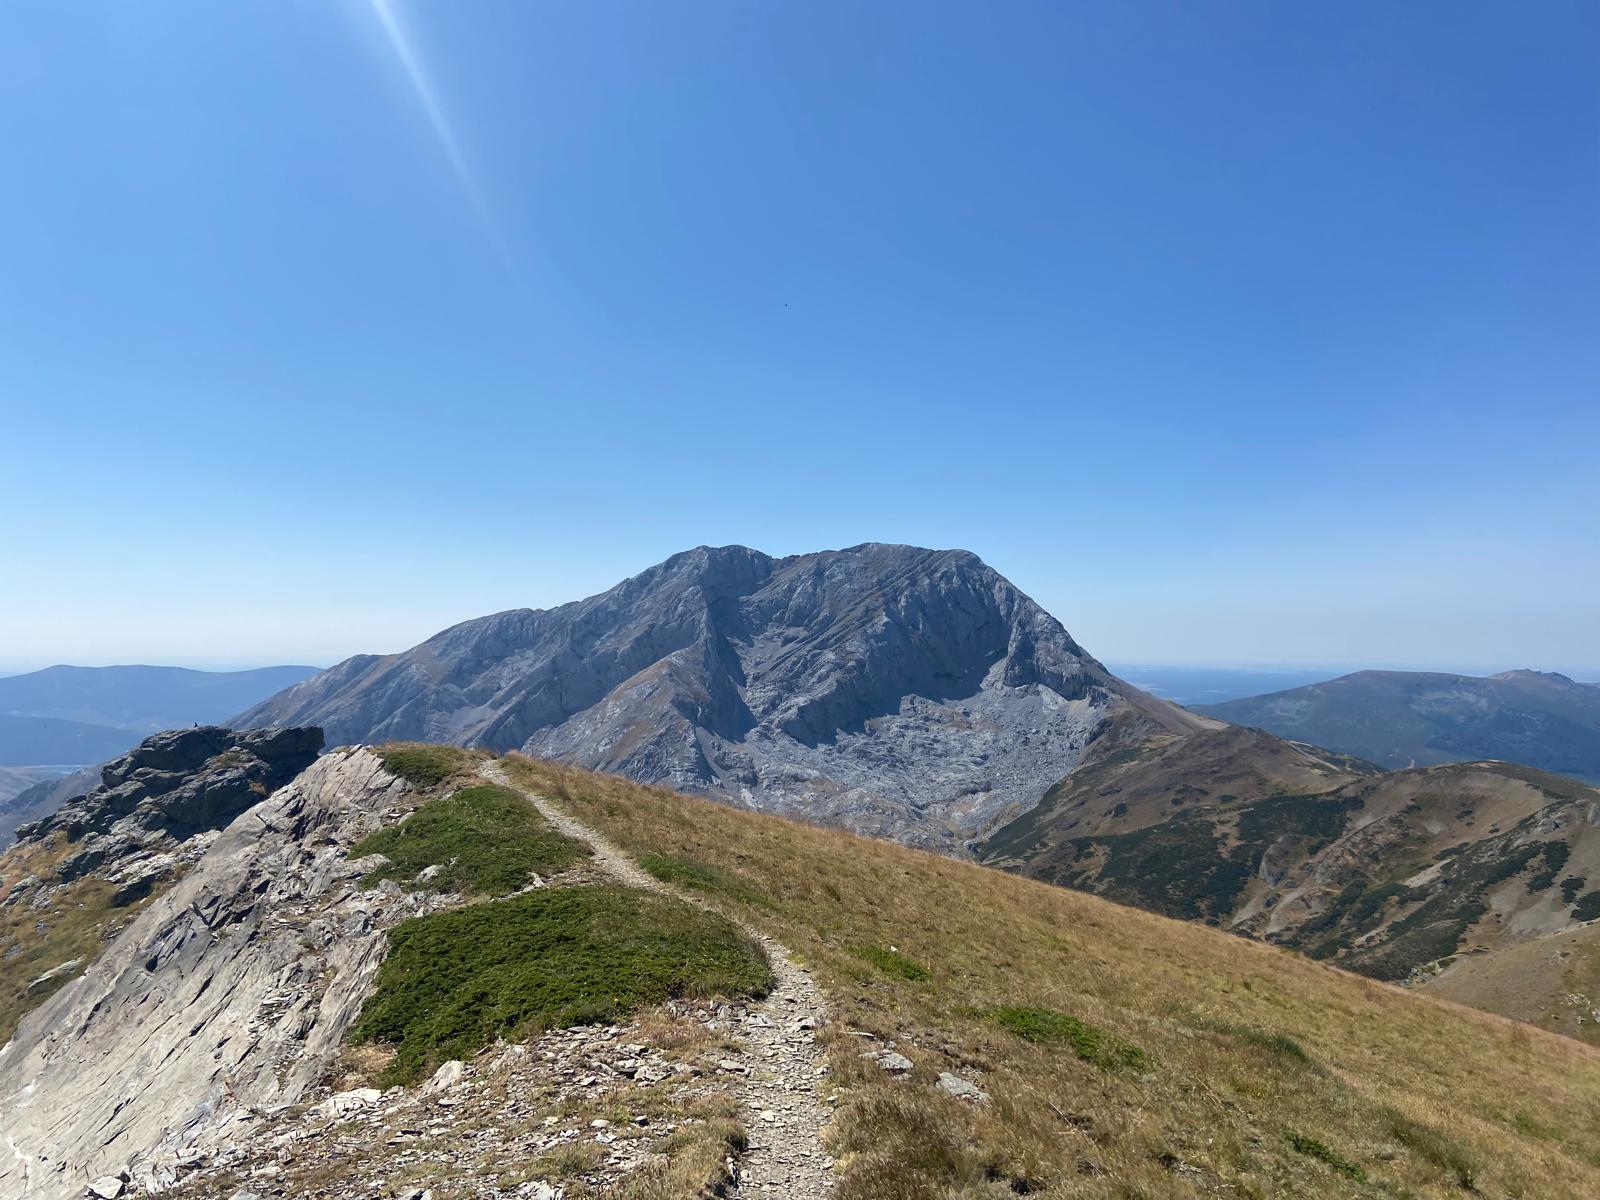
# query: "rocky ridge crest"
{"points": [[225, 998]]}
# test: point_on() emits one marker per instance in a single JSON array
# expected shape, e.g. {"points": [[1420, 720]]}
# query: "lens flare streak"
{"points": [[427, 96]]}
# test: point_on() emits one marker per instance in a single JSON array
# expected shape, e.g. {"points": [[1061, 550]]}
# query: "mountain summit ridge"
{"points": [[892, 689]]}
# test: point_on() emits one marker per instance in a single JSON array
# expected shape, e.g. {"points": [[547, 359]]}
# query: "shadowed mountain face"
{"points": [[899, 691], [1413, 718]]}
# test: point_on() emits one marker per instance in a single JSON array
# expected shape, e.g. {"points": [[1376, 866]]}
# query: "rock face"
{"points": [[170, 787], [226, 997], [894, 690]]}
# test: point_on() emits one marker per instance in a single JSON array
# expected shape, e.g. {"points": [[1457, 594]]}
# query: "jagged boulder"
{"points": [[172, 786]]}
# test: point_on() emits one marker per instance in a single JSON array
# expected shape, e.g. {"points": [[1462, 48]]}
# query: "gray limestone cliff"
{"points": [[897, 691]]}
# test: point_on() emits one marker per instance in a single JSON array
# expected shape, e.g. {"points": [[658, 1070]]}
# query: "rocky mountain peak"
{"points": [[897, 690]]}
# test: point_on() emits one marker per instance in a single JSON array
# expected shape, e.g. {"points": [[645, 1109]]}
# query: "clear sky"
{"points": [[1232, 332]]}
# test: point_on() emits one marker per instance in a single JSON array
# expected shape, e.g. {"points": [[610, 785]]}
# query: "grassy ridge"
{"points": [[455, 980], [425, 766], [486, 840], [1265, 1074]]}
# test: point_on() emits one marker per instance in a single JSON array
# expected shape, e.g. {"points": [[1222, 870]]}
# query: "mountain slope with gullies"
{"points": [[1426, 875], [418, 970], [1422, 718], [897, 691]]}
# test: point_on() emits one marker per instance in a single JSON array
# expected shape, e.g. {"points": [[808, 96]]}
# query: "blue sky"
{"points": [[1237, 332]]}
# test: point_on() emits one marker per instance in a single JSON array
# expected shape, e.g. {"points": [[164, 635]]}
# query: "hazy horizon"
{"points": [[1261, 333]]}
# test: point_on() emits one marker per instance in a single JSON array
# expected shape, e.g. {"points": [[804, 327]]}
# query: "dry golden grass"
{"points": [[75, 925], [1269, 1075]]}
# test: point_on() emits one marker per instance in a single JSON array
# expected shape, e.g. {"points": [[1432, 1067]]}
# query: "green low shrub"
{"points": [[424, 766], [454, 981], [892, 962], [1047, 1026], [1312, 1148], [485, 840]]}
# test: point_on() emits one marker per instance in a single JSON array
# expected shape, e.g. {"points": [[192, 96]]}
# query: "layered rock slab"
{"points": [[229, 996]]}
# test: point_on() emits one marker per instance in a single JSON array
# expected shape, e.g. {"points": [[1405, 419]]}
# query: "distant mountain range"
{"points": [[899, 691], [139, 698], [74, 716], [54, 741], [64, 717], [1415, 718]]}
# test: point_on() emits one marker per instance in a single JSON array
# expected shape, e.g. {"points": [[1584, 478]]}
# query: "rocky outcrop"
{"points": [[170, 787], [225, 998], [894, 690]]}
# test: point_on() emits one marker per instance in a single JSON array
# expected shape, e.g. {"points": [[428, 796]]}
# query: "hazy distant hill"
{"points": [[141, 698], [53, 741], [1194, 686], [77, 716], [14, 780], [1414, 718]]}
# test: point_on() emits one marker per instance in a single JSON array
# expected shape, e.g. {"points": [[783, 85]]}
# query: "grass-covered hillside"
{"points": [[1126, 1055], [1411, 875]]}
